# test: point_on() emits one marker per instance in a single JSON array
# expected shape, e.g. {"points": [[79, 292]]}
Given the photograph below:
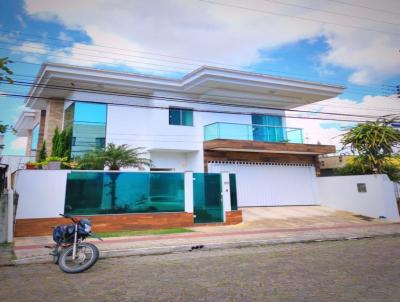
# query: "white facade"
{"points": [[138, 116], [175, 147]]}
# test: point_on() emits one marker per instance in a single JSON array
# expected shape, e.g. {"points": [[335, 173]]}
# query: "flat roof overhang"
{"points": [[265, 147], [58, 81]]}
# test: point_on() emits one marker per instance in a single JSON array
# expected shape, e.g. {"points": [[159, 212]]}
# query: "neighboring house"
{"points": [[224, 129], [327, 164]]}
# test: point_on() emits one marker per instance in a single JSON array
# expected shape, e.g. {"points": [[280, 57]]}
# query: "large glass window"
{"points": [[180, 116], [270, 129], [88, 122], [35, 138]]}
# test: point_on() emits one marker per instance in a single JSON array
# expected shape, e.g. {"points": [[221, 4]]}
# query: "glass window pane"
{"points": [[35, 138], [187, 117], [88, 122], [90, 113], [174, 116]]}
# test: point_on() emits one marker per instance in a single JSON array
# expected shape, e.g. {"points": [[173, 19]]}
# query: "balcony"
{"points": [[230, 137], [259, 133]]}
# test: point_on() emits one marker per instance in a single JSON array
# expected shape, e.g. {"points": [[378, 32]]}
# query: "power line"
{"points": [[374, 9], [143, 63], [298, 17], [351, 87], [330, 12], [68, 88], [185, 100], [147, 63], [331, 105], [201, 110]]}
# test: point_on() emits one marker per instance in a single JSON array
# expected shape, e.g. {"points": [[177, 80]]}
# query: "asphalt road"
{"points": [[359, 270]]}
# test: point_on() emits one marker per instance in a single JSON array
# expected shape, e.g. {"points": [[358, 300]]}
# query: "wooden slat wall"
{"points": [[267, 147], [105, 223]]}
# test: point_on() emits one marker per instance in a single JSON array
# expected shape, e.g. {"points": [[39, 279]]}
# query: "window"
{"points": [[180, 116], [35, 138], [88, 122], [268, 128], [100, 142]]}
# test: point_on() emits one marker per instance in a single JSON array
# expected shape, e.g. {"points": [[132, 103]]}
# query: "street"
{"points": [[355, 270]]}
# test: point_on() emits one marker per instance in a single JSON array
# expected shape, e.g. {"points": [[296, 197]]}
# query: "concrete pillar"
{"points": [[189, 191], [28, 149], [10, 216], [10, 209], [226, 193]]}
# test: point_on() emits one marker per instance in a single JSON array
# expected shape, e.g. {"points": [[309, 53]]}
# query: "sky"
{"points": [[353, 43]]}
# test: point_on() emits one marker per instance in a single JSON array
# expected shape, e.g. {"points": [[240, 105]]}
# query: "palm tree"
{"points": [[114, 157], [373, 141]]}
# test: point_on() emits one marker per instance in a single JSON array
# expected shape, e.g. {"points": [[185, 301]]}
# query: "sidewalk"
{"points": [[30, 249]]}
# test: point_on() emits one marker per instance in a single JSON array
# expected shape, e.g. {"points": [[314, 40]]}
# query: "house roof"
{"points": [[205, 83], [25, 122]]}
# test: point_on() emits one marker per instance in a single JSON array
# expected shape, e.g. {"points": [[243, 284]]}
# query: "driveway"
{"points": [[292, 217]]}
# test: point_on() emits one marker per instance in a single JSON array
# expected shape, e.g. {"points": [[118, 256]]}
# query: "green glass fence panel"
{"points": [[255, 132], [94, 193], [295, 136], [207, 198], [234, 131], [232, 184], [211, 132]]}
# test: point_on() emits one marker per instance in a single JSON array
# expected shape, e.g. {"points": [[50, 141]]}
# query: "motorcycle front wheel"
{"points": [[86, 256]]}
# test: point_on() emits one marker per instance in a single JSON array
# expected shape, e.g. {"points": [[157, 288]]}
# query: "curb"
{"points": [[164, 250]]}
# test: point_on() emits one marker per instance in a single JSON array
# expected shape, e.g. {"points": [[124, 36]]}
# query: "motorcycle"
{"points": [[70, 252]]}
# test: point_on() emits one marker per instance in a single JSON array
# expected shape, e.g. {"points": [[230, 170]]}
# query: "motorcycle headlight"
{"points": [[87, 228]]}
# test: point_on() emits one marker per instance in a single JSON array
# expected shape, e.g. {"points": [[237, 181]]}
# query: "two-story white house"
{"points": [[210, 120]]}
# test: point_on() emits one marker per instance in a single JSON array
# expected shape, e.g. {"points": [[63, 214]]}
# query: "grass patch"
{"points": [[6, 245], [143, 232]]}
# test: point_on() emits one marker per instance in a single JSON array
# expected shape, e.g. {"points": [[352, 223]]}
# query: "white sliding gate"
{"points": [[263, 184]]}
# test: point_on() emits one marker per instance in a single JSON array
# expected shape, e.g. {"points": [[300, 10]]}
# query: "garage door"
{"points": [[262, 184]]}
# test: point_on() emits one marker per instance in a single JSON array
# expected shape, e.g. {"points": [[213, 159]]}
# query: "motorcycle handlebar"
{"points": [[68, 216]]}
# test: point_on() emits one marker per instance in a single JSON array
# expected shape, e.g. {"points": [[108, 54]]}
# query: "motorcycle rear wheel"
{"points": [[86, 256]]}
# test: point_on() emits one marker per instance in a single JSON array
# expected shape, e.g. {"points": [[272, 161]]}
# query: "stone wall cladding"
{"points": [[54, 119]]}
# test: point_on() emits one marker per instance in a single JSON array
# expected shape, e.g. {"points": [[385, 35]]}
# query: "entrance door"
{"points": [[207, 199]]}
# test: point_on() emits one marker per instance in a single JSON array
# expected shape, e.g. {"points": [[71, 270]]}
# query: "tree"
{"points": [[55, 143], [3, 129], [114, 157], [5, 70], [43, 153], [61, 143], [373, 141]]}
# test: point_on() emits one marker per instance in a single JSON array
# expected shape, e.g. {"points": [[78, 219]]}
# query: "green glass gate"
{"points": [[207, 198]]}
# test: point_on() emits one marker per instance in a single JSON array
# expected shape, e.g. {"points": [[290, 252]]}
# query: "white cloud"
{"points": [[32, 51], [19, 144], [206, 32], [329, 132]]}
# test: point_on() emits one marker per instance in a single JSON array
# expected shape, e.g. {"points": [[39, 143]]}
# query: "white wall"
{"points": [[149, 128], [341, 192], [41, 193]]}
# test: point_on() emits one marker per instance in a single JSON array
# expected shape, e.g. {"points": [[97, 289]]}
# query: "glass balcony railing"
{"points": [[262, 133]]}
